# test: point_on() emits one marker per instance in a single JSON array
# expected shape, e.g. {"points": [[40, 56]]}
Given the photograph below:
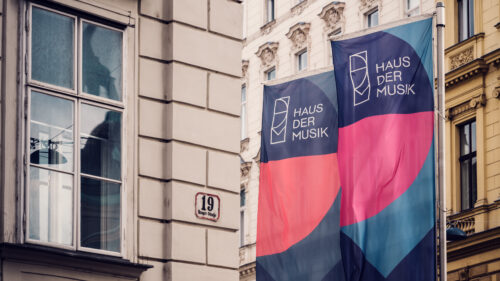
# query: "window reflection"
{"points": [[100, 142], [100, 214], [102, 61]]}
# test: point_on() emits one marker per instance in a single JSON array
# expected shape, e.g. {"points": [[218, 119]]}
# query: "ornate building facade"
{"points": [[290, 38], [472, 62]]}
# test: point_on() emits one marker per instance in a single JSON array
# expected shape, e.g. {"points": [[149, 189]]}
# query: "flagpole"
{"points": [[440, 23]]}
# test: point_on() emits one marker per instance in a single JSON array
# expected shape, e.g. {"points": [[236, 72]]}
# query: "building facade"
{"points": [[290, 38], [119, 139], [472, 62]]}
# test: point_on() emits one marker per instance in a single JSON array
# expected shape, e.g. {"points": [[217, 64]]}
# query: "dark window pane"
{"points": [[102, 61], [100, 142], [473, 181], [242, 198], [51, 131], [465, 186], [373, 19], [473, 136], [50, 206], [52, 48], [464, 139], [100, 214]]}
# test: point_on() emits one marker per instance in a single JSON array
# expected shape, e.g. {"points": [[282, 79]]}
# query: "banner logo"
{"points": [[358, 70], [280, 116]]}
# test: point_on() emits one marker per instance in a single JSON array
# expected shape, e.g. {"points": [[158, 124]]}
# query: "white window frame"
{"points": [[266, 73], [410, 12], [78, 97], [298, 62], [269, 17], [367, 17]]}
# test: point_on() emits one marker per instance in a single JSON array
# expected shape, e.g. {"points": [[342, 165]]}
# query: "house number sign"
{"points": [[207, 206]]}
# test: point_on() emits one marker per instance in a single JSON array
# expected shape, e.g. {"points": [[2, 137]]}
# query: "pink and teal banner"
{"points": [[347, 165]]}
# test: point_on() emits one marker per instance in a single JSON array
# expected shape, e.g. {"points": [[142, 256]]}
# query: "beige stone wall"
{"points": [[181, 124], [189, 72]]}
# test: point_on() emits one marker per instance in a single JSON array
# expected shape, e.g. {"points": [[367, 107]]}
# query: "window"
{"points": [[302, 61], [372, 18], [465, 19], [242, 216], [412, 7], [75, 92], [468, 165], [271, 74], [269, 10], [243, 112]]}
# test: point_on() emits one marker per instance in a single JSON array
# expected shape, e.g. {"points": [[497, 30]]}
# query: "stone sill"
{"points": [[74, 259]]}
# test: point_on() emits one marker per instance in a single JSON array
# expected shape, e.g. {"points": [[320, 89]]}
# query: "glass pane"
{"points": [[242, 228], [373, 19], [411, 4], [52, 48], [303, 61], [102, 61], [271, 74], [242, 198], [100, 215], [100, 142], [464, 184], [51, 132], [470, 18], [50, 206], [464, 140], [474, 181], [473, 136], [270, 10]]}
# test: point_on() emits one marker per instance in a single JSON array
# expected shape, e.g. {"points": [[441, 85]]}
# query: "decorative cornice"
{"points": [[267, 53], [462, 58], [465, 72], [299, 8], [244, 68], [247, 270], [298, 34], [472, 104], [333, 15], [268, 27], [367, 4]]}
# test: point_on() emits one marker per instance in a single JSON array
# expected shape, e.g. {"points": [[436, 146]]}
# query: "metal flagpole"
{"points": [[440, 22]]}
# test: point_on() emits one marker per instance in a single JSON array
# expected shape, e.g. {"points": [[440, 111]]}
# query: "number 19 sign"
{"points": [[207, 206]]}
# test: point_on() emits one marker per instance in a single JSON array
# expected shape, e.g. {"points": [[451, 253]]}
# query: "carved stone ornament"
{"points": [[299, 8], [267, 53], [461, 58], [244, 68], [367, 4], [333, 15], [298, 34], [471, 104], [496, 92], [245, 169]]}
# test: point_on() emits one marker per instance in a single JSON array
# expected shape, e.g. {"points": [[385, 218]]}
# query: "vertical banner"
{"points": [[298, 235], [385, 84]]}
